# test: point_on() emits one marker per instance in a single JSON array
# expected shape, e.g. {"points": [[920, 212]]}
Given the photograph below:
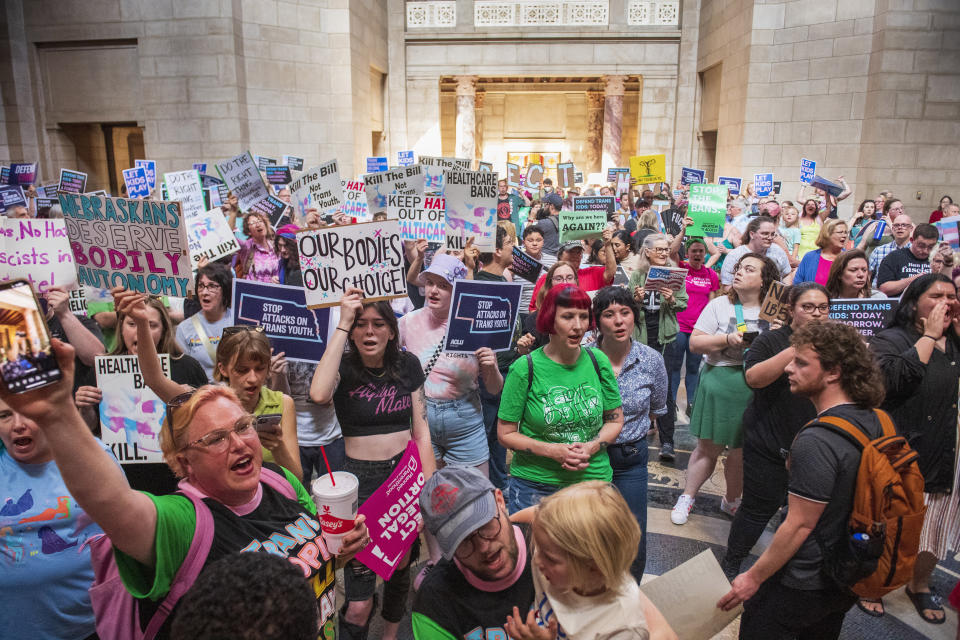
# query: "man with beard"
{"points": [[485, 571]]}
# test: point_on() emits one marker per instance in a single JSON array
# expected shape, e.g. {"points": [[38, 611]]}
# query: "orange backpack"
{"points": [[888, 507]]}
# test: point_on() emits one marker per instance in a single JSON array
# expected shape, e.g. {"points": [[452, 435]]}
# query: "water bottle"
{"points": [[860, 541]]}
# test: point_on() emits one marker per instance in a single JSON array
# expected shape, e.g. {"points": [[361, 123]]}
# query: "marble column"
{"points": [[478, 130], [612, 119], [594, 130], [466, 117]]}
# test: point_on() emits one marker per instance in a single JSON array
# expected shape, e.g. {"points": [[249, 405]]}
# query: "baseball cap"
{"points": [[455, 502], [573, 244], [445, 266], [554, 199]]}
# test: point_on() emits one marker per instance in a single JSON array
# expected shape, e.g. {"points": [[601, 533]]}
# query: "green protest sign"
{"points": [[708, 209], [577, 225]]}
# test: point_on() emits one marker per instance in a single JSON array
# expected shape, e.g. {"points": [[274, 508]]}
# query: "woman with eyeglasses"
{"points": [[209, 441], [642, 380], [200, 334], [772, 419], [244, 360], [559, 274], [850, 277], [377, 390], [723, 332], [815, 265], [258, 258]]}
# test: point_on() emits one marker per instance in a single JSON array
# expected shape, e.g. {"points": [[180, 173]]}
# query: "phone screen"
{"points": [[268, 422], [28, 361]]}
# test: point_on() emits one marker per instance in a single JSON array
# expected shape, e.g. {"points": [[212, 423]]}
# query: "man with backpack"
{"points": [[804, 583]]}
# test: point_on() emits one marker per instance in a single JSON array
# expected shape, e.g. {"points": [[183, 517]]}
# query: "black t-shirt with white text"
{"points": [[371, 402], [900, 264]]}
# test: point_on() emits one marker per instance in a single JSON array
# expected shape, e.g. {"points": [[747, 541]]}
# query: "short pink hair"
{"points": [[566, 296]]}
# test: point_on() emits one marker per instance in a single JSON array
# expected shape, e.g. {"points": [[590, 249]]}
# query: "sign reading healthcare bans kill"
{"points": [[471, 199], [300, 333], [421, 217], [120, 242], [482, 314], [368, 256], [131, 415], [866, 315]]}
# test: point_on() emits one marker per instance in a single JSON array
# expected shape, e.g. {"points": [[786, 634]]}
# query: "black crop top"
{"points": [[368, 404]]}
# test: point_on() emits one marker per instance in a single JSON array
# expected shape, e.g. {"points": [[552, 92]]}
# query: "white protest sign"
{"points": [[242, 176], [378, 186], [471, 198], [433, 168], [38, 251], [185, 187], [368, 256], [209, 236], [421, 217], [318, 187], [131, 414], [78, 301]]}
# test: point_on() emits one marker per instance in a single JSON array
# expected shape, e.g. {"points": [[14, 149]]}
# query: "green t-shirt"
{"points": [[566, 405]]}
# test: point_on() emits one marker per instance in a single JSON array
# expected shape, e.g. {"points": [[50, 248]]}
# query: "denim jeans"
{"points": [[498, 454], [457, 431], [674, 356], [629, 462], [526, 493], [311, 459]]}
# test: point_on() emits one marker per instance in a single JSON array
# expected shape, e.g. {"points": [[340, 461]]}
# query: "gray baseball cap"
{"points": [[455, 502]]}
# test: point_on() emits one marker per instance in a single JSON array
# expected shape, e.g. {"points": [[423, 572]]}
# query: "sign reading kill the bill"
{"points": [[379, 186], [318, 188], [471, 198], [421, 217], [433, 168], [120, 242], [131, 414], [368, 256]]}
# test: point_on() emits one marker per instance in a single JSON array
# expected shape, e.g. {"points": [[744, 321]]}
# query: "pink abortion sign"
{"points": [[393, 515]]}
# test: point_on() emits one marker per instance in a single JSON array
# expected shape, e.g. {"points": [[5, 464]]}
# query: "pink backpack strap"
{"points": [[278, 482]]}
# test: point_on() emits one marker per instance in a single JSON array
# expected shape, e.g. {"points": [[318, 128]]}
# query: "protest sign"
{"points": [[200, 167], [4, 175], [48, 190], [78, 301], [295, 163], [263, 162], [613, 172], [355, 200], [671, 277], [578, 177], [405, 158], [368, 256], [708, 209], [377, 164], [38, 251], [623, 184], [776, 187], [377, 186], [275, 209], [524, 266], [471, 199], [577, 225], [482, 314], [763, 184], [949, 231], [647, 169], [150, 170], [211, 181], [136, 182], [484, 166], [534, 176], [866, 315], [433, 168], [242, 176], [692, 176], [11, 196], [808, 169], [131, 414], [732, 184], [832, 188], [72, 181], [421, 217], [607, 204], [213, 197], [300, 333], [185, 187], [514, 178], [120, 242], [565, 171], [393, 515], [278, 174], [209, 236], [23, 173], [320, 188], [44, 204], [775, 307]]}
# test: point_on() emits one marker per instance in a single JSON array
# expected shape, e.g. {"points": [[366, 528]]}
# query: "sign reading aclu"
{"points": [[866, 315], [421, 217], [368, 256], [318, 188], [121, 242], [243, 177], [482, 314], [37, 250], [300, 333], [131, 414], [471, 198], [379, 186]]}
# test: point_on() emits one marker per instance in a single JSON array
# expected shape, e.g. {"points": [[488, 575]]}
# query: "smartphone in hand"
{"points": [[268, 423], [27, 360]]}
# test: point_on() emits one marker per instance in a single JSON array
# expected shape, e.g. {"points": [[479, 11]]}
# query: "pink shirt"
{"points": [[823, 271], [700, 283], [455, 374]]}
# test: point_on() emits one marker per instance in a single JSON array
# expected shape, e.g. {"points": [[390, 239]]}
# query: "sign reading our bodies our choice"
{"points": [[368, 256], [131, 414], [300, 333], [421, 217], [482, 314], [471, 200], [121, 242]]}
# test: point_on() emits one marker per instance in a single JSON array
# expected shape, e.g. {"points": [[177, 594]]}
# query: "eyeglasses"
{"points": [[240, 328], [212, 286], [562, 279], [809, 307], [488, 532], [771, 234], [660, 249], [902, 226], [218, 441]]}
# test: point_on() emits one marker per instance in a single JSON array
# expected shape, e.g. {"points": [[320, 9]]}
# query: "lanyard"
{"points": [[741, 324]]}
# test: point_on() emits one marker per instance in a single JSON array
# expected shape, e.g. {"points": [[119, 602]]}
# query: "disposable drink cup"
{"points": [[336, 507]]}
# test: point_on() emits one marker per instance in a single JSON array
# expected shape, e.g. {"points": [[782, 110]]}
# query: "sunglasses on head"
{"points": [[240, 328], [175, 403]]}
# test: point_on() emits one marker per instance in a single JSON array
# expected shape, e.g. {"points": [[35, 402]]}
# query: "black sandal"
{"points": [[871, 612], [926, 601]]}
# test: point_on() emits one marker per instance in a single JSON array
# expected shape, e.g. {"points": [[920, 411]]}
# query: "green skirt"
{"points": [[722, 397]]}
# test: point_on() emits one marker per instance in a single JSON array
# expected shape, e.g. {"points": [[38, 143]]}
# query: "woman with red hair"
{"points": [[560, 407]]}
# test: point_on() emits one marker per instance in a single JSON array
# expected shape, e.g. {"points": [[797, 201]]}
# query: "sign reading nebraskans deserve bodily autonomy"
{"points": [[299, 332], [471, 198], [482, 314], [368, 256], [120, 242]]}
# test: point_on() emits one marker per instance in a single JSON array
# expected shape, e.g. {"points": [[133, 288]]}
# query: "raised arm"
{"points": [[326, 377], [87, 345]]}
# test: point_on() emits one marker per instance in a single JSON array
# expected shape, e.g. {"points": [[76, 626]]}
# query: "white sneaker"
{"points": [[681, 510], [730, 508]]}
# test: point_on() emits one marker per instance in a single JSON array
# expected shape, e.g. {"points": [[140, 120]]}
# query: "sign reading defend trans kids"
{"points": [[482, 314], [866, 315]]}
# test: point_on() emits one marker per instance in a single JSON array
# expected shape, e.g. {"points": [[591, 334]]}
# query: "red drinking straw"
{"points": [[327, 462]]}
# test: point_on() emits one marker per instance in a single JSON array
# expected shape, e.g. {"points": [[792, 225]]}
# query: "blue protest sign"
{"points": [[150, 168], [299, 332], [763, 184], [72, 181], [732, 184], [11, 196], [24, 173], [4, 175], [405, 158], [200, 167], [832, 188], [378, 164], [136, 181], [482, 314], [808, 168], [692, 176]]}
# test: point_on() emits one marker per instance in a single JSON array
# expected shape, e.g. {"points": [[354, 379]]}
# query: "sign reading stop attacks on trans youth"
{"points": [[482, 314]]}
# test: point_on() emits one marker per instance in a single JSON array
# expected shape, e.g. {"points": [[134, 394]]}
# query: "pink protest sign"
{"points": [[393, 514]]}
